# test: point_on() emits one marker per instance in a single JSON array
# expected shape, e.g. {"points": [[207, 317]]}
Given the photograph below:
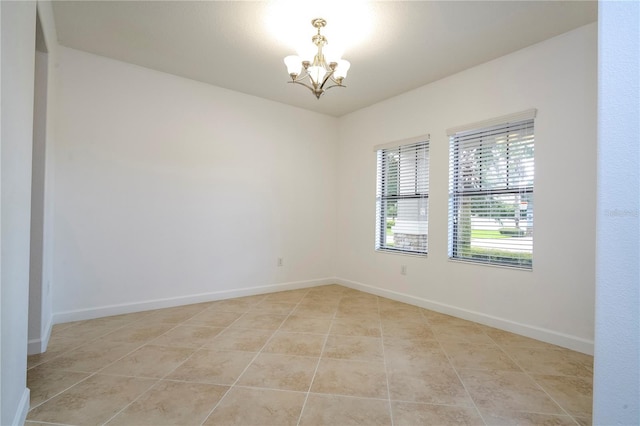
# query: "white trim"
{"points": [[555, 338], [23, 408], [126, 308], [518, 116], [409, 141], [38, 346]]}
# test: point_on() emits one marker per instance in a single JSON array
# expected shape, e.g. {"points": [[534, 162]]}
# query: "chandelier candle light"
{"points": [[317, 73]]}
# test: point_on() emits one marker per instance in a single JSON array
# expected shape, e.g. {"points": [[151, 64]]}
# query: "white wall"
{"points": [[16, 105], [617, 355], [171, 191], [555, 301]]}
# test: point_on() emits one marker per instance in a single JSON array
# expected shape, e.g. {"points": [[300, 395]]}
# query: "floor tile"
{"points": [[240, 305], [188, 336], [45, 383], [302, 324], [90, 329], [400, 312], [460, 333], [138, 332], [55, 348], [303, 344], [240, 339], [321, 298], [92, 356], [93, 401], [251, 361], [574, 394], [583, 421], [270, 307], [357, 311], [350, 378], [413, 353], [332, 410], [479, 357], [277, 371], [436, 318], [149, 361], [290, 296], [553, 361], [131, 317], [511, 340], [360, 348], [507, 390], [350, 296], [356, 327], [172, 403], [316, 311], [265, 407], [510, 418], [411, 414], [214, 318], [410, 330], [175, 315], [434, 385], [259, 321], [213, 366]]}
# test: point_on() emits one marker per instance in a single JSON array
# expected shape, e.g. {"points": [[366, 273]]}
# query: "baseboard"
{"points": [[38, 346], [23, 408], [545, 335], [126, 308]]}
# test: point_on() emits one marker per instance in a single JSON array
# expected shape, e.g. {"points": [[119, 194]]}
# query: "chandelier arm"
{"points": [[336, 82], [313, 90], [335, 85], [326, 78]]}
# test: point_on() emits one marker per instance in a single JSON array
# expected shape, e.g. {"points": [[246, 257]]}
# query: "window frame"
{"points": [[382, 182], [457, 194]]}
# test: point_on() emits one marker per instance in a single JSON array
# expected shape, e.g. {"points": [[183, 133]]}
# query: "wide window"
{"points": [[402, 197], [491, 169]]}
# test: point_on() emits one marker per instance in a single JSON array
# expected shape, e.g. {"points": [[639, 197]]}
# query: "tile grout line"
{"points": [[255, 356], [384, 360], [315, 371], [79, 345], [94, 373], [157, 380], [526, 373], [464, 386]]}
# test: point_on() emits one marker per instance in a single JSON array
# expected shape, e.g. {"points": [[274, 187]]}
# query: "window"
{"points": [[402, 197], [491, 172]]}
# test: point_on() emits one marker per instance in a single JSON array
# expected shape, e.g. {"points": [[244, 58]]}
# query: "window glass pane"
{"points": [[491, 195], [402, 198]]}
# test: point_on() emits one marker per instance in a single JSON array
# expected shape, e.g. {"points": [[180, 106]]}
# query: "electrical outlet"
{"points": [[280, 261], [403, 269]]}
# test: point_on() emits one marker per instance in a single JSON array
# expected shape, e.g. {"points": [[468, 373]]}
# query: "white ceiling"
{"points": [[228, 43]]}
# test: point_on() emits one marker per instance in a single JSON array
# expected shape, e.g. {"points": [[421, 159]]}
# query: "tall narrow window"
{"points": [[402, 197], [491, 171]]}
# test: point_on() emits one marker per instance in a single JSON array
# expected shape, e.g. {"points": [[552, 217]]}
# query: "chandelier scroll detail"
{"points": [[317, 75]]}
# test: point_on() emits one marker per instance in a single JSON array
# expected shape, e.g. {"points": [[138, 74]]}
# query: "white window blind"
{"points": [[402, 198], [491, 172]]}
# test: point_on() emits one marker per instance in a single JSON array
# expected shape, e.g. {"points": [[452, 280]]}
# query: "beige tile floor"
{"points": [[326, 355]]}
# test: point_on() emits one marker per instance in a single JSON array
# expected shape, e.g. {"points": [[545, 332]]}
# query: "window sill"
{"points": [[493, 265], [401, 253]]}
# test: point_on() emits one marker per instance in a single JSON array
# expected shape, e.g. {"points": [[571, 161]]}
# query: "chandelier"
{"points": [[318, 76]]}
